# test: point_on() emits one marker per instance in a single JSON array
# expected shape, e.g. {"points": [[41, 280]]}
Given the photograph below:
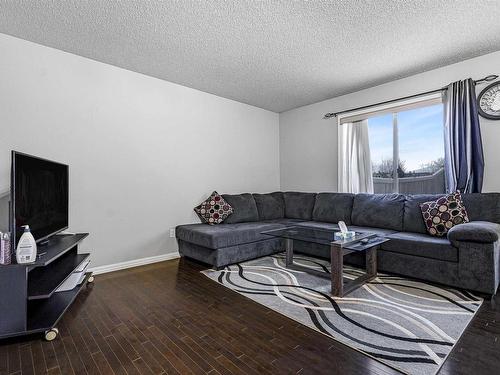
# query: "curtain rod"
{"points": [[489, 78]]}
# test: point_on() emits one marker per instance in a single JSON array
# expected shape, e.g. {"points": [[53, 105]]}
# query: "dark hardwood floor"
{"points": [[167, 318]]}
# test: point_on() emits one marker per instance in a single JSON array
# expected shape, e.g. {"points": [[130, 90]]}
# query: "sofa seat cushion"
{"points": [[379, 210], [319, 225], [224, 235], [333, 207], [334, 227], [421, 245], [284, 222], [244, 208]]}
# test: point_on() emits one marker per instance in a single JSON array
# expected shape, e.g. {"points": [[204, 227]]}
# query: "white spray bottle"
{"points": [[26, 247]]}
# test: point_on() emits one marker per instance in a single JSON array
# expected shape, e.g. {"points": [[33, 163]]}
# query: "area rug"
{"points": [[407, 324]]}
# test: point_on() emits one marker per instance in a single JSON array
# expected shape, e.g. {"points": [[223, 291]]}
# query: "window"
{"points": [[407, 150]]}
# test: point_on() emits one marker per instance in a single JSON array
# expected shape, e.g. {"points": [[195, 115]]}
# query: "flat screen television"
{"points": [[39, 196]]}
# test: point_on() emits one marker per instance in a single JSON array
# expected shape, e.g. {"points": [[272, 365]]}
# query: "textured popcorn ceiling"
{"points": [[276, 55]]}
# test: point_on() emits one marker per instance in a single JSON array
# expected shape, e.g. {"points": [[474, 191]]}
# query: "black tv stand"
{"points": [[43, 243], [29, 302]]}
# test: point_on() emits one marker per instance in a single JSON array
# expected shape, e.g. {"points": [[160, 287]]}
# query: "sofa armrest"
{"points": [[475, 231]]}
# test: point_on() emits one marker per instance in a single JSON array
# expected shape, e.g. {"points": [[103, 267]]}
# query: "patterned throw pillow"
{"points": [[443, 214], [214, 210]]}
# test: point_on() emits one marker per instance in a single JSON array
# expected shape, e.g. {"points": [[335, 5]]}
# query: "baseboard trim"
{"points": [[133, 263]]}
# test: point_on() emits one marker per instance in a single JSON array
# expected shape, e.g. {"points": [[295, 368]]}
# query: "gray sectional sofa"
{"points": [[468, 258]]}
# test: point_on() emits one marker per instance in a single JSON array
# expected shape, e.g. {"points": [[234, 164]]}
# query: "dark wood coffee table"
{"points": [[365, 242]]}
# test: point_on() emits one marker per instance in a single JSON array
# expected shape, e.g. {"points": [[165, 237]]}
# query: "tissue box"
{"points": [[344, 236]]}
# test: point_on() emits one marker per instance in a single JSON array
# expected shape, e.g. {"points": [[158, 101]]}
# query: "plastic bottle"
{"points": [[26, 247]]}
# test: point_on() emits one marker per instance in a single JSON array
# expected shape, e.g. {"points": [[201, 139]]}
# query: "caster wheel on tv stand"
{"points": [[51, 334]]}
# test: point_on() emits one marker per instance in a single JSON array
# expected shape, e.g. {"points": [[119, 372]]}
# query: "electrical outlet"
{"points": [[172, 232]]}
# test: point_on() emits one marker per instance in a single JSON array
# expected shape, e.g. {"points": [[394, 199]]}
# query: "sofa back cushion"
{"points": [[299, 205], [479, 206], [413, 220], [270, 206], [379, 211], [483, 206], [333, 207], [244, 208]]}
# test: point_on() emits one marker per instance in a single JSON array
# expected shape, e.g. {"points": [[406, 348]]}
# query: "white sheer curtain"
{"points": [[355, 165]]}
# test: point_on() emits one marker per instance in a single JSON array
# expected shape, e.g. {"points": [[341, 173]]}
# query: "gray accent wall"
{"points": [[142, 151], [308, 144]]}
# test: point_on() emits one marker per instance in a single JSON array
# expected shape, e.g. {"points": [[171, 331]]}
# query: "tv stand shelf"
{"points": [[44, 281], [56, 247], [44, 314], [30, 303]]}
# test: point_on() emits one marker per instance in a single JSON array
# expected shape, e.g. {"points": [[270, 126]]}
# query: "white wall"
{"points": [[142, 151], [308, 144]]}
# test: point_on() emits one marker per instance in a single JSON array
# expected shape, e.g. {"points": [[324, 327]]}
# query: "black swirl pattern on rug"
{"points": [[410, 336], [225, 276], [343, 316]]}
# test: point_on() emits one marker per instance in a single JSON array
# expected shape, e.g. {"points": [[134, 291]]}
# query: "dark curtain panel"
{"points": [[464, 159]]}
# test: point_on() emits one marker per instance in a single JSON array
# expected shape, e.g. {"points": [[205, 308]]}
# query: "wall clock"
{"points": [[488, 102]]}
